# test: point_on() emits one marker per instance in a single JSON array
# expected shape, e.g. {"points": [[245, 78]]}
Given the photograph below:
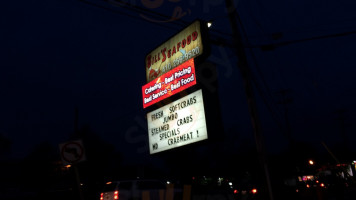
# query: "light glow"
{"points": [[116, 194]]}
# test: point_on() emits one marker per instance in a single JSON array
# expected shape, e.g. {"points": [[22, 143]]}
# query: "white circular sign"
{"points": [[72, 152]]}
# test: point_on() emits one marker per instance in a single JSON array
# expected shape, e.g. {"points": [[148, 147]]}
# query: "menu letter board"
{"points": [[179, 123]]}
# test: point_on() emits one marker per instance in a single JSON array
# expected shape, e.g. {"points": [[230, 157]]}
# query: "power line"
{"points": [[125, 14], [141, 10], [260, 91], [298, 29], [181, 23], [178, 22], [252, 106], [285, 43]]}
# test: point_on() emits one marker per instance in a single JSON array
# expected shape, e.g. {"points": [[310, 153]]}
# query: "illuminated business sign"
{"points": [[179, 123], [183, 46], [170, 83]]}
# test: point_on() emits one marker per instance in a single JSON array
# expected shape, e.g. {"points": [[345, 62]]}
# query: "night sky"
{"points": [[60, 55]]}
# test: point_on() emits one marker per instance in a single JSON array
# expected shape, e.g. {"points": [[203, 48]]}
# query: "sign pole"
{"points": [[243, 67], [78, 181], [72, 152], [75, 167]]}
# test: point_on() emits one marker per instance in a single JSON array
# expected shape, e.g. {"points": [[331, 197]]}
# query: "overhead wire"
{"points": [[300, 29], [271, 46], [273, 111], [181, 23], [220, 40], [178, 22], [337, 22], [141, 10], [116, 11], [284, 43], [317, 27]]}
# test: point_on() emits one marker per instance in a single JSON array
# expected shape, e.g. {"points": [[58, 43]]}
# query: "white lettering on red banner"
{"points": [[170, 83]]}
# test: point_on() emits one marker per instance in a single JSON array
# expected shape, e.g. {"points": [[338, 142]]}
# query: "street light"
{"points": [[209, 24]]}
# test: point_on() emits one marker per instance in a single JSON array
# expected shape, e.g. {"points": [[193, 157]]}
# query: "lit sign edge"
{"points": [[184, 124]]}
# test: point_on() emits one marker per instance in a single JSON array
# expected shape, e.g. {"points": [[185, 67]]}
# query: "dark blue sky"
{"points": [[57, 55]]}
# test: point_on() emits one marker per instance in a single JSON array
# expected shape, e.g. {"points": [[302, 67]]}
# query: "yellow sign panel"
{"points": [[183, 46]]}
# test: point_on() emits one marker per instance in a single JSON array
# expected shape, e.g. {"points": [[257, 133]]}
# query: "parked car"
{"points": [[135, 189], [246, 191]]}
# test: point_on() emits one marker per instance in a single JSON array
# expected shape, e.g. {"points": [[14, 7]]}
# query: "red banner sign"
{"points": [[170, 83]]}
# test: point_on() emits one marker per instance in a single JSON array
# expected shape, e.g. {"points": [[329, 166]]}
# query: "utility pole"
{"points": [[252, 106], [341, 118], [76, 122], [286, 101], [75, 165]]}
